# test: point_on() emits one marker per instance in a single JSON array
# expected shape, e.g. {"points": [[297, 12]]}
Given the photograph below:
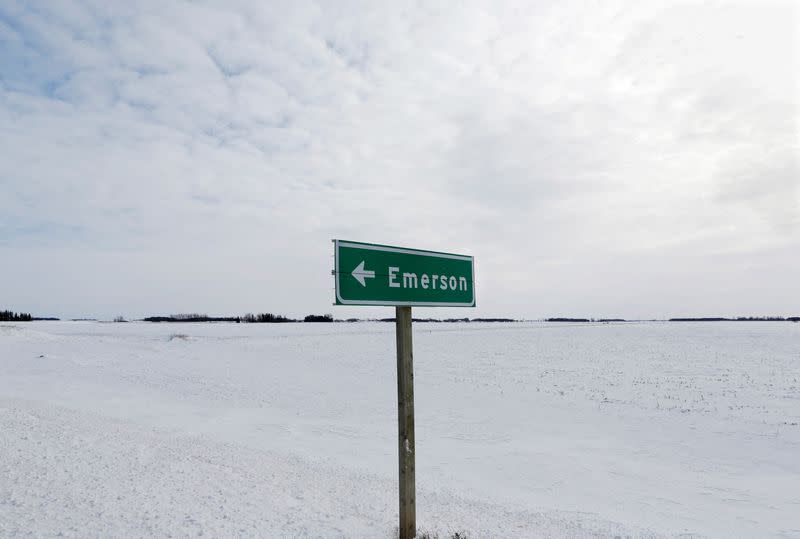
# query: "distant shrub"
{"points": [[119, 319], [265, 318], [191, 318], [181, 336], [318, 318]]}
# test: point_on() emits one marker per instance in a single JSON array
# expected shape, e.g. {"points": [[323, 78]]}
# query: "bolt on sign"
{"points": [[370, 274]]}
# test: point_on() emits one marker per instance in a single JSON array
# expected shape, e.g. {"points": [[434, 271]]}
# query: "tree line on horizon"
{"points": [[249, 318], [10, 316], [270, 318], [695, 319], [740, 319]]}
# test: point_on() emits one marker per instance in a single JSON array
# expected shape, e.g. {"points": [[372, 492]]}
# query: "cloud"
{"points": [[177, 144]]}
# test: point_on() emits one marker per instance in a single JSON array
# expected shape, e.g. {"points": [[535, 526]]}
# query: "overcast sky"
{"points": [[633, 159]]}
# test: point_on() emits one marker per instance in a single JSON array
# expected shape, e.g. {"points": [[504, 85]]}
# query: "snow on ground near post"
{"points": [[289, 430]]}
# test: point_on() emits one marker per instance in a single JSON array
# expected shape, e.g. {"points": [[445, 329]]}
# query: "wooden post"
{"points": [[405, 423]]}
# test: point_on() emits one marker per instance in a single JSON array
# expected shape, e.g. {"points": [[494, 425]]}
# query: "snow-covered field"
{"points": [[523, 430]]}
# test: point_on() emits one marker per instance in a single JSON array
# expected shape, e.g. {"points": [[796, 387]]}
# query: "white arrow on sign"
{"points": [[360, 274]]}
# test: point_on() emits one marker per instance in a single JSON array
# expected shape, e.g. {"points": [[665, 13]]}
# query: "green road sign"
{"points": [[369, 274]]}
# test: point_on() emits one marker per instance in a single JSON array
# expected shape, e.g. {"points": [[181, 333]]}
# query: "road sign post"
{"points": [[371, 274], [405, 423]]}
